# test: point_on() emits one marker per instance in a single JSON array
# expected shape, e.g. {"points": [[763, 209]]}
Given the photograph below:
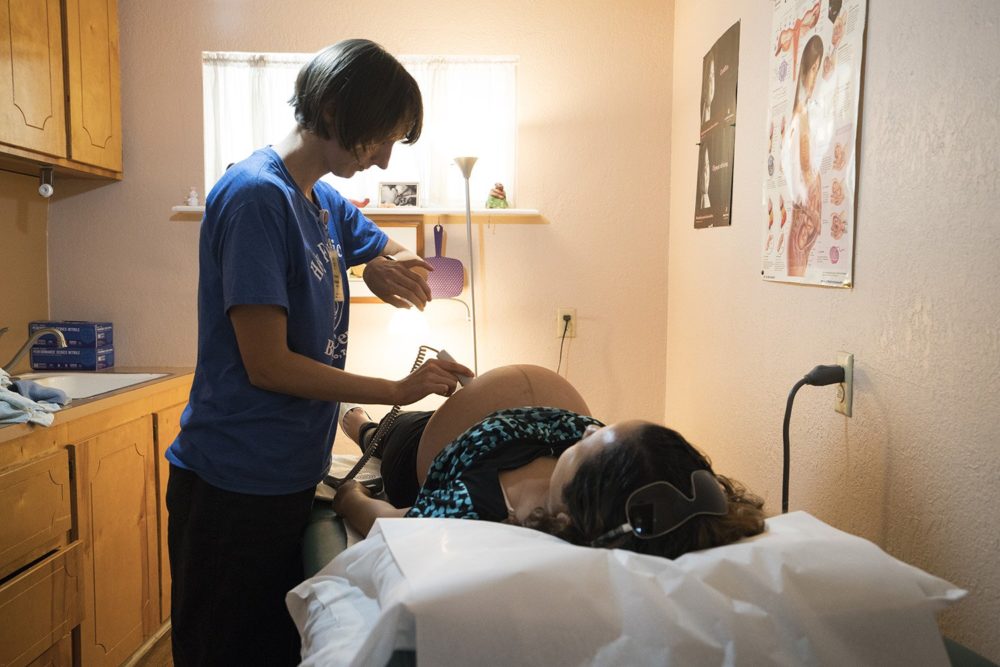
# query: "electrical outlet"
{"points": [[561, 314], [844, 401]]}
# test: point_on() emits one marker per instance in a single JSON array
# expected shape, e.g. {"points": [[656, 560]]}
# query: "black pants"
{"points": [[233, 557], [398, 451]]}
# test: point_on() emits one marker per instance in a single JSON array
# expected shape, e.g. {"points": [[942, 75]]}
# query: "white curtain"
{"points": [[469, 109]]}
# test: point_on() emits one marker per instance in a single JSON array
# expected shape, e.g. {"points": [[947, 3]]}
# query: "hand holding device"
{"points": [[462, 379]]}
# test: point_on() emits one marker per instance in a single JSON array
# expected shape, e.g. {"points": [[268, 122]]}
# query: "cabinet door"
{"points": [[32, 110], [168, 425], [93, 81], [116, 486]]}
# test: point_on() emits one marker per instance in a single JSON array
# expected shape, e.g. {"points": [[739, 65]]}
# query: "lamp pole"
{"points": [[465, 164]]}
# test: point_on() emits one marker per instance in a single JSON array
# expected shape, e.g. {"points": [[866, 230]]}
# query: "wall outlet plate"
{"points": [[561, 323], [844, 400]]}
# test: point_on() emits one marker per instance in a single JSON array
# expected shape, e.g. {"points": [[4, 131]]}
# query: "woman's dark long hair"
{"points": [[595, 498], [357, 92], [811, 54]]}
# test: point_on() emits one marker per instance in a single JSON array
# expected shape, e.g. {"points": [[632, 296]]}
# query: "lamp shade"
{"points": [[465, 165]]}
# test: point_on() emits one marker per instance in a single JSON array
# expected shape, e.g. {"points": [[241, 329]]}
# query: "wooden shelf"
{"points": [[444, 216], [451, 216], [371, 211]]}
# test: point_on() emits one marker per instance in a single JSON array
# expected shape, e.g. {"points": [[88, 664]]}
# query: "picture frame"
{"points": [[407, 232], [398, 193]]}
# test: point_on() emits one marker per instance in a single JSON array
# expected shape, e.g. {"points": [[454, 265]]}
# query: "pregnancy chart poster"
{"points": [[814, 85], [717, 143]]}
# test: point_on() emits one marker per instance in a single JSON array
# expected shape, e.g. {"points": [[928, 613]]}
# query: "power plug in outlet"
{"points": [[844, 400], [561, 323]]}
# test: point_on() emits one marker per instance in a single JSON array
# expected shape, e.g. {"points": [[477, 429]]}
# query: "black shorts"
{"points": [[398, 451]]}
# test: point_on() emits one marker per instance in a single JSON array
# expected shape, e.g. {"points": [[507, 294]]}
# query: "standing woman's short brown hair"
{"points": [[356, 92]]}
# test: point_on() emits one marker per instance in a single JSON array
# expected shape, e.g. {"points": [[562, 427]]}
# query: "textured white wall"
{"points": [[916, 468], [593, 149]]}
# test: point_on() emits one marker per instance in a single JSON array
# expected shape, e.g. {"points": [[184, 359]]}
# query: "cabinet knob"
{"points": [[45, 188]]}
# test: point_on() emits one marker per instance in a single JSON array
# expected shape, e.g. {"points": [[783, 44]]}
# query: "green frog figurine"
{"points": [[497, 198]]}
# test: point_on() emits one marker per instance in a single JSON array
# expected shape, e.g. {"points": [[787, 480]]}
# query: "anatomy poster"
{"points": [[720, 69], [814, 86]]}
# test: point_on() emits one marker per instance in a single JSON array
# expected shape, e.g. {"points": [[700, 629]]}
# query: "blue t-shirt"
{"points": [[263, 242]]}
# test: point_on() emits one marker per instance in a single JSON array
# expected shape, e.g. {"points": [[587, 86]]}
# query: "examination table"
{"points": [[326, 536]]}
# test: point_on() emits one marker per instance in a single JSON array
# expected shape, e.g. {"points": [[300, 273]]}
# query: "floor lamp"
{"points": [[465, 164]]}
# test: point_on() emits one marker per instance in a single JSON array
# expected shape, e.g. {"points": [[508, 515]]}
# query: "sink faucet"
{"points": [[60, 342]]}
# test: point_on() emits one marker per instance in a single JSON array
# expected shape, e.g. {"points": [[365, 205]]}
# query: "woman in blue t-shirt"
{"points": [[517, 445], [273, 297]]}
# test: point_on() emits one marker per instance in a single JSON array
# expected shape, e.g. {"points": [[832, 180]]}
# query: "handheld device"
{"points": [[462, 379], [368, 479]]}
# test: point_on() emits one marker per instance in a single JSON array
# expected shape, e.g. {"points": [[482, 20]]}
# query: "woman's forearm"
{"points": [[360, 511]]}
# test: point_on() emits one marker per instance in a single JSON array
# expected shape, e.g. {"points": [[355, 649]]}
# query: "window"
{"points": [[469, 109]]}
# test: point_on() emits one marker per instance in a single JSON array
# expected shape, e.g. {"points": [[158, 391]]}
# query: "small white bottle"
{"points": [[192, 198]]}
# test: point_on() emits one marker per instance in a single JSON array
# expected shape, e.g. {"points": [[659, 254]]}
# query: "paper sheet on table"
{"points": [[491, 594]]}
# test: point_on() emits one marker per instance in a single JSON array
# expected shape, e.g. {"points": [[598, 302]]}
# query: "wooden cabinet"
{"points": [[40, 575], [117, 490], [40, 607], [83, 570], [93, 81], [32, 113], [167, 425], [59, 72], [36, 500]]}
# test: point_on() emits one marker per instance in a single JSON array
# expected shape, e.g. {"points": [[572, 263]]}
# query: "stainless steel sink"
{"points": [[88, 384]]}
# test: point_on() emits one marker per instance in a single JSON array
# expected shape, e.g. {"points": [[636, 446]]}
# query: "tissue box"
{"points": [[78, 334], [72, 358]]}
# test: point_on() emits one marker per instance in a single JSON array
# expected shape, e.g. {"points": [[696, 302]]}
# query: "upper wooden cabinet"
{"points": [[60, 88], [94, 83], [32, 114]]}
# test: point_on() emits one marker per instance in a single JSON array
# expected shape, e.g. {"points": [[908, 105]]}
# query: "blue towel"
{"points": [[38, 392], [18, 409]]}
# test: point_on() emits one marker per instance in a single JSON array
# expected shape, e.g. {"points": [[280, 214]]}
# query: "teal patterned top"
{"points": [[463, 480]]}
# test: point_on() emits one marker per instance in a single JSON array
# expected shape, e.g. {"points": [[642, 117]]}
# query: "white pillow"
{"points": [[470, 592]]}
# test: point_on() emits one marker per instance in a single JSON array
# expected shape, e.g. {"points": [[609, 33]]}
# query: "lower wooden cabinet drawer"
{"points": [[40, 606], [36, 499], [58, 655]]}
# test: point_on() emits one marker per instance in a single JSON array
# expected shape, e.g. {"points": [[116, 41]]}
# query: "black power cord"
{"points": [[817, 377], [566, 320]]}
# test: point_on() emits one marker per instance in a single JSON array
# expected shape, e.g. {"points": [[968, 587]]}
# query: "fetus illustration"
{"points": [[838, 226], [839, 156], [770, 213], [836, 192], [781, 208]]}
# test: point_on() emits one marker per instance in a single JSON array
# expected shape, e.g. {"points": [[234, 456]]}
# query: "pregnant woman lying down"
{"points": [[518, 445]]}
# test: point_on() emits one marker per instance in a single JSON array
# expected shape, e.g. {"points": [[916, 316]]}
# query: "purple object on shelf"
{"points": [[448, 277]]}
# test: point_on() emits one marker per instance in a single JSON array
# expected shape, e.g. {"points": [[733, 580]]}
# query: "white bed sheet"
{"points": [[469, 592]]}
